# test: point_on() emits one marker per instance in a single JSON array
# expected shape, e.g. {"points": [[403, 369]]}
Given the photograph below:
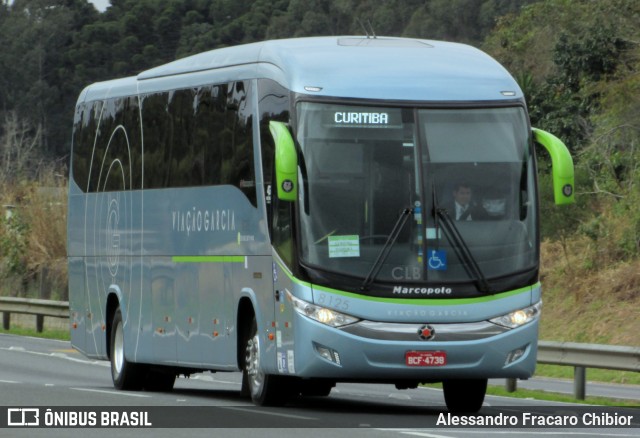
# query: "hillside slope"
{"points": [[584, 303]]}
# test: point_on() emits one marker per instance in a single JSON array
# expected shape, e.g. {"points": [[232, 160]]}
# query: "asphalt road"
{"points": [[48, 374]]}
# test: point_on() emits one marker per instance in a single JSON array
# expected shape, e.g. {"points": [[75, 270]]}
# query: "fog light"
{"points": [[327, 353], [514, 355]]}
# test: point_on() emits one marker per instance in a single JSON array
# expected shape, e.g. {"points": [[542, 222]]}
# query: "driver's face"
{"points": [[462, 195]]}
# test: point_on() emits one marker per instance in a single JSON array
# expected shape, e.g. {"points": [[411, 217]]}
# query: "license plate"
{"points": [[425, 358]]}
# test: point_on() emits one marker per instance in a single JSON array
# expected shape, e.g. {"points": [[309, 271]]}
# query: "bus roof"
{"points": [[387, 68]]}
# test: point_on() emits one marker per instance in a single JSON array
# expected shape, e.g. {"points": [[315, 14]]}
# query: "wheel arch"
{"points": [[244, 316], [113, 302]]}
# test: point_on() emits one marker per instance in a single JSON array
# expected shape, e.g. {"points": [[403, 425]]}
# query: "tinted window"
{"points": [[106, 152], [273, 104], [200, 136], [84, 133]]}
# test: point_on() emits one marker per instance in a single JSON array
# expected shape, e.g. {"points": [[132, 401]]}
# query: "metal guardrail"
{"points": [[583, 356], [580, 356], [32, 306], [611, 357]]}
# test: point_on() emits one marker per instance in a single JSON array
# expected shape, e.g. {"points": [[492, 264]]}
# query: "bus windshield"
{"points": [[464, 178]]}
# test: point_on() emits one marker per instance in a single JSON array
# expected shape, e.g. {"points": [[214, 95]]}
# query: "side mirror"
{"points": [[562, 163], [286, 162]]}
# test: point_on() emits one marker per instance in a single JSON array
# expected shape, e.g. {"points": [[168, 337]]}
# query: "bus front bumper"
{"points": [[383, 352]]}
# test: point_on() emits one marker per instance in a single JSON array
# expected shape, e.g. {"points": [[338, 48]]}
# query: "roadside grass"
{"points": [[593, 374], [46, 333], [561, 398], [531, 394]]}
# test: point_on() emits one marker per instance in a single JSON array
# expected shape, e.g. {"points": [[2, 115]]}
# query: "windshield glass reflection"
{"points": [[361, 167]]}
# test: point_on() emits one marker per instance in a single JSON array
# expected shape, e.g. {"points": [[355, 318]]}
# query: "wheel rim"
{"points": [[252, 361], [118, 350]]}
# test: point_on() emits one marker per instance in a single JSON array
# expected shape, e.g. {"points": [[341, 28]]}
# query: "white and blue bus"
{"points": [[287, 209]]}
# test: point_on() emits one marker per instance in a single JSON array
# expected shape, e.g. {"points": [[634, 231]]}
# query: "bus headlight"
{"points": [[324, 315], [519, 317]]}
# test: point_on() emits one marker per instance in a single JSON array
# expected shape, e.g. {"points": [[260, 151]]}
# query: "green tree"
{"points": [[466, 21], [577, 62], [36, 35]]}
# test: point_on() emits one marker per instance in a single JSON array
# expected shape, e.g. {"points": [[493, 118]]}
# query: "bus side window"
{"points": [[84, 135], [237, 161], [273, 104]]}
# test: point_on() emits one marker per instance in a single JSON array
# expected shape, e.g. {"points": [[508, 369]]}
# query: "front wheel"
{"points": [[464, 395], [264, 389], [125, 375], [316, 388]]}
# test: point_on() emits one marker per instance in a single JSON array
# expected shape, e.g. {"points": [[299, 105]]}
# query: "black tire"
{"points": [[159, 379], [464, 395], [264, 389], [125, 375], [316, 388]]}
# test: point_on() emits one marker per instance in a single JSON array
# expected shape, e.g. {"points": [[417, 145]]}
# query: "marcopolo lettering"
{"points": [[401, 290], [354, 118]]}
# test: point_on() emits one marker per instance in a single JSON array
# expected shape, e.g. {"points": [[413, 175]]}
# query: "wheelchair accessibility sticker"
{"points": [[437, 260]]}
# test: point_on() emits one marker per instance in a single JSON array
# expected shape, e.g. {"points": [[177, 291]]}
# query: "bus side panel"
{"points": [[138, 303], [76, 268], [198, 239], [284, 315], [77, 303], [187, 309], [112, 238], [161, 287], [201, 316], [135, 307], [213, 319], [254, 279]]}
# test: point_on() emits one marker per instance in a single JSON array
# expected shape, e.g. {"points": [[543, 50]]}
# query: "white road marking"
{"points": [[425, 434], [102, 391], [59, 355], [490, 431], [206, 378], [400, 396], [275, 414]]}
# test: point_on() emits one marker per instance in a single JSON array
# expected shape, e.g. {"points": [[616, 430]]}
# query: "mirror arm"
{"points": [[286, 162], [563, 174]]}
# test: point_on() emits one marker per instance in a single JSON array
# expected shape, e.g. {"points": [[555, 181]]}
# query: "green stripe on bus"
{"points": [[429, 301], [208, 259], [413, 301]]}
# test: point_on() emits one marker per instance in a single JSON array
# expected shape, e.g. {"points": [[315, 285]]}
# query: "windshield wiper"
{"points": [[463, 251], [386, 249], [460, 246]]}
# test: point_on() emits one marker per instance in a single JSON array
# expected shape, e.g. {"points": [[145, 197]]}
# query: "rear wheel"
{"points": [[125, 375], [264, 389], [464, 395]]}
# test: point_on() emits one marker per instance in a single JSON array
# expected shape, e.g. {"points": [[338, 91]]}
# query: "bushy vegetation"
{"points": [[576, 60], [32, 221], [33, 237], [578, 64]]}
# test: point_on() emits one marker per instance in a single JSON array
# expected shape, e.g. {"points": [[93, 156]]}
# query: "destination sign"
{"points": [[358, 118], [339, 116]]}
